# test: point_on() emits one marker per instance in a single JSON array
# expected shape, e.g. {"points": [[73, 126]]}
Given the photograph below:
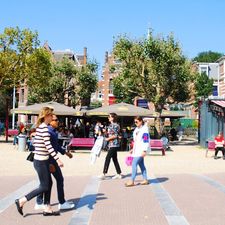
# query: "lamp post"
{"points": [[14, 104], [6, 118]]}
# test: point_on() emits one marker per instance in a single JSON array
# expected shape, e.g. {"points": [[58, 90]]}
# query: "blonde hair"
{"points": [[45, 111]]}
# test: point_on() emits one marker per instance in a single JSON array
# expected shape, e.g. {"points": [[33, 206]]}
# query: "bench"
{"points": [[82, 142], [12, 132], [157, 144], [211, 147]]}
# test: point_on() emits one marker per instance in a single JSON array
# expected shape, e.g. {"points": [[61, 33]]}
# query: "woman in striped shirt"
{"points": [[43, 149]]}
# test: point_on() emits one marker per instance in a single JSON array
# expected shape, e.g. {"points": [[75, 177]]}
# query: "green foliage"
{"points": [[96, 104], [87, 83], [152, 68], [208, 56], [67, 80], [203, 85], [16, 47]]}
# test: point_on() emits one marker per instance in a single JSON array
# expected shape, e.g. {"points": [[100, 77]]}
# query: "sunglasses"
{"points": [[136, 121], [55, 120]]}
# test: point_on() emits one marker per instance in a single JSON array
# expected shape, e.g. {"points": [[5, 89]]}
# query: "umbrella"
{"points": [[121, 109], [59, 109]]}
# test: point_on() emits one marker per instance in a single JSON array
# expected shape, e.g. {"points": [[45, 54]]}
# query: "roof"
{"points": [[122, 109], [220, 103], [59, 109]]}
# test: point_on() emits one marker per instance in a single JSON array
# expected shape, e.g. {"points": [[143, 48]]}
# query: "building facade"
{"points": [[110, 70], [212, 71]]}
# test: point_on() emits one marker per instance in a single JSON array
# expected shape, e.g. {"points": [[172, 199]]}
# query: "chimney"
{"points": [[85, 55], [106, 57]]}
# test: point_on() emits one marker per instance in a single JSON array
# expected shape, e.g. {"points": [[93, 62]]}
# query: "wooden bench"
{"points": [[157, 144], [12, 132], [82, 142], [211, 147]]}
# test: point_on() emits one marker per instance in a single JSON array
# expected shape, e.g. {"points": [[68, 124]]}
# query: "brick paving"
{"points": [[186, 188]]}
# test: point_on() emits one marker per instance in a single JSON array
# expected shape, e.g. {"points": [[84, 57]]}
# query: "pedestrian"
{"points": [[43, 149], [113, 132], [55, 169], [180, 131], [141, 146], [219, 145], [1, 127]]}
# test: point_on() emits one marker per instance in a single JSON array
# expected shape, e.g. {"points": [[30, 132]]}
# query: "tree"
{"points": [[86, 83], [208, 56], [21, 60], [153, 68], [16, 46], [203, 85], [67, 82]]}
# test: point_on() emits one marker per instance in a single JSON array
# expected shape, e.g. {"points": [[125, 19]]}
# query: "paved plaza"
{"points": [[185, 188]]}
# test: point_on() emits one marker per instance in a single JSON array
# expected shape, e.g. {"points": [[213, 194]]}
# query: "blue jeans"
{"points": [[42, 169], [138, 161], [59, 182]]}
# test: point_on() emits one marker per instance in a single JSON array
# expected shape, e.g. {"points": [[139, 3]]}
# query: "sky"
{"points": [[71, 24]]}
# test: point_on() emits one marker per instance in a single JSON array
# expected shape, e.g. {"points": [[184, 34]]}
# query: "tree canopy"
{"points": [[203, 85], [20, 58], [67, 82], [153, 68], [208, 56]]}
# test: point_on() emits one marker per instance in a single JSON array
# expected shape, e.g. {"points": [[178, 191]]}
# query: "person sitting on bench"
{"points": [[219, 145]]}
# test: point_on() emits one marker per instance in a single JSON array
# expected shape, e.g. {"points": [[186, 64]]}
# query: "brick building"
{"points": [[110, 70]]}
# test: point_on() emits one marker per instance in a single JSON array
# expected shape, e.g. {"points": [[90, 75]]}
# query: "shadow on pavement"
{"points": [[88, 200], [33, 214], [158, 180]]}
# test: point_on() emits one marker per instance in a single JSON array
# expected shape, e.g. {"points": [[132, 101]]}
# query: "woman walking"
{"points": [[43, 149], [140, 147], [113, 146]]}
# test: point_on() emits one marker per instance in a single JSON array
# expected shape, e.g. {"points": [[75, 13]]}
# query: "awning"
{"points": [[220, 103]]}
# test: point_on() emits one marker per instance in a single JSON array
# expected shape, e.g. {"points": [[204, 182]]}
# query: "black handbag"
{"points": [[30, 157]]}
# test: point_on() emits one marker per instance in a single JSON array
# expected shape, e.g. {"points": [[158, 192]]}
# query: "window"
{"points": [[110, 86], [215, 91], [22, 96], [100, 94], [204, 69]]}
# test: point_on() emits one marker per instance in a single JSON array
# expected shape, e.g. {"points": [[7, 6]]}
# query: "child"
{"points": [[165, 141]]}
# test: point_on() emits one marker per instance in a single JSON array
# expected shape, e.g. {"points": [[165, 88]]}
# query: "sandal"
{"points": [[145, 182], [19, 208], [52, 213], [129, 184]]}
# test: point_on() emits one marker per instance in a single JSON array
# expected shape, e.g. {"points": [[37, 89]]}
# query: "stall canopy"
{"points": [[172, 114], [59, 109], [121, 109]]}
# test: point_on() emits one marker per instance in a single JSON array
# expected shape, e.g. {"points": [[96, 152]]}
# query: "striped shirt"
{"points": [[42, 144]]}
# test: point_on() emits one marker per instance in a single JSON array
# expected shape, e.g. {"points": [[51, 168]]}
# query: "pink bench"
{"points": [[157, 144], [12, 132], [82, 142]]}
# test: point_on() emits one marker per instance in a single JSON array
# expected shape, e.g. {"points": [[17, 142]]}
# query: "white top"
{"points": [[141, 139], [42, 144]]}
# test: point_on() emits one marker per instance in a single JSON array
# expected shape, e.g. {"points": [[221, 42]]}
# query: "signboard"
{"points": [[142, 103]]}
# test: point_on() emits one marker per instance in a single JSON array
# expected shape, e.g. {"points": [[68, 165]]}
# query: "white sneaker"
{"points": [[66, 205], [117, 176], [39, 206], [102, 176]]}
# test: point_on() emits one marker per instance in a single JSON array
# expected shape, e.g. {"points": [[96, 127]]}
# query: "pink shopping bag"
{"points": [[128, 160]]}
